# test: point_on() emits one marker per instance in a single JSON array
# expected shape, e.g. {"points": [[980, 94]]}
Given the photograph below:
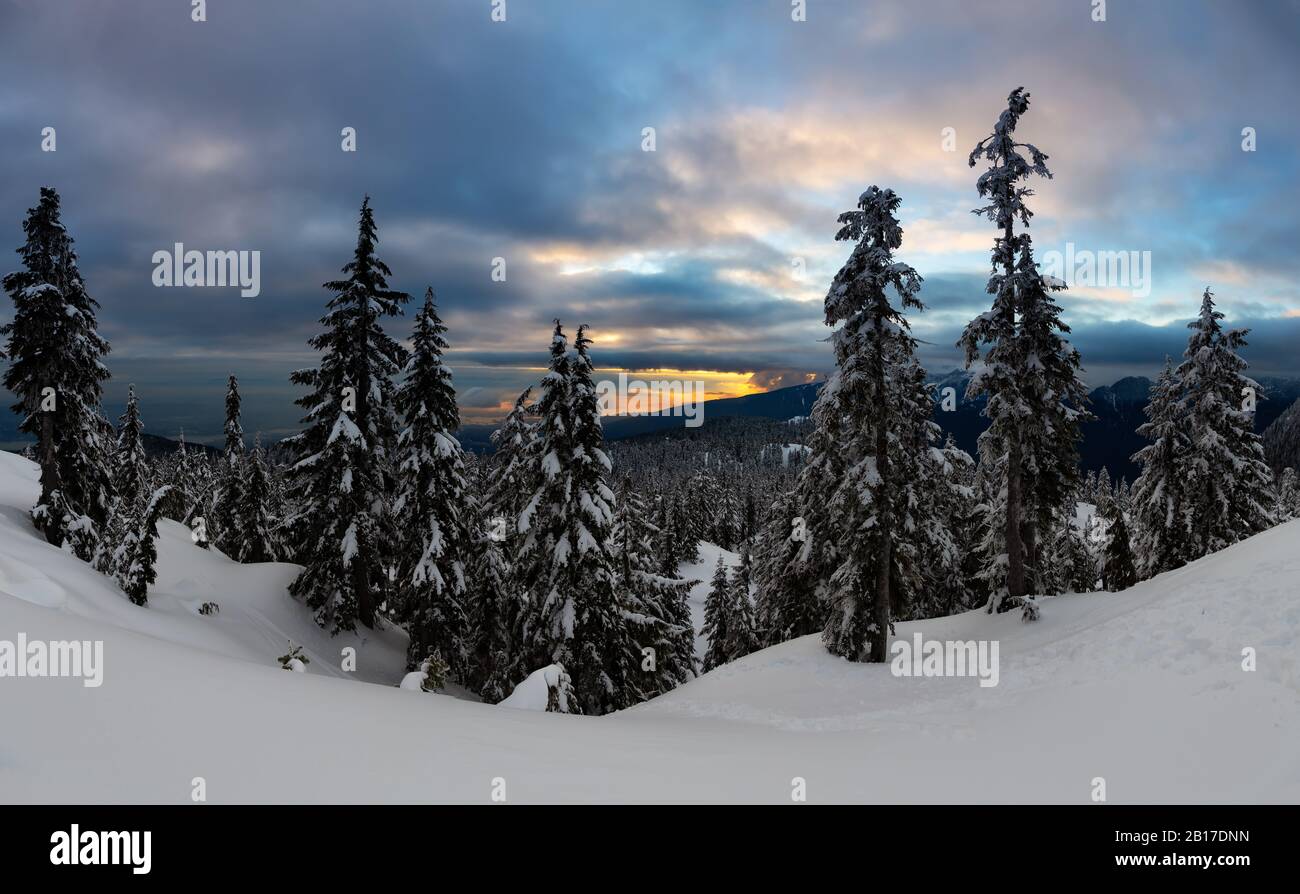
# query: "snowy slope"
{"points": [[1143, 688], [702, 573], [256, 621]]}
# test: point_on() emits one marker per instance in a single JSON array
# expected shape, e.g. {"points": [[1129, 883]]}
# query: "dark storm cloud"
{"points": [[522, 141]]}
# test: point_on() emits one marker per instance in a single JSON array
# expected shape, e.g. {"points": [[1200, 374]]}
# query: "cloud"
{"points": [[523, 141]]}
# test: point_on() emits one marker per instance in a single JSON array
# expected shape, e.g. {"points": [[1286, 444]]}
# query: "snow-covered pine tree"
{"points": [[705, 494], [1075, 551], [431, 588], [726, 519], [136, 554], [878, 401], [127, 550], [1029, 372], [1059, 400], [254, 535], [686, 537], [514, 467], [57, 374], [1162, 520], [224, 517], [656, 611], [1119, 572], [575, 617], [1228, 483], [342, 480], [1105, 491], [742, 632], [496, 606], [717, 615], [131, 472], [947, 532], [787, 605], [496, 597], [1288, 496], [177, 475]]}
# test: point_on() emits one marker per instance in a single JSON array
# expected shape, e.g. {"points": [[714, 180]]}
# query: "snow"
{"points": [[702, 573], [1144, 688], [534, 692], [787, 450]]}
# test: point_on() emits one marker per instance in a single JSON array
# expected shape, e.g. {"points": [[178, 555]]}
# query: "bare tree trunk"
{"points": [[1015, 554], [365, 599], [51, 527], [1030, 538], [880, 615]]}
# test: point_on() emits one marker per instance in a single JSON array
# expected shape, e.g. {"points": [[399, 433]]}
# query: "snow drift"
{"points": [[1145, 688]]}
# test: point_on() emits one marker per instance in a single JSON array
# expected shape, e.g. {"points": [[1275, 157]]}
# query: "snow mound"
{"points": [[1145, 688], [533, 693]]}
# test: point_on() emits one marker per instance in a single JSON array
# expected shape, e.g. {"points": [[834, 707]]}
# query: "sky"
{"points": [[707, 258]]}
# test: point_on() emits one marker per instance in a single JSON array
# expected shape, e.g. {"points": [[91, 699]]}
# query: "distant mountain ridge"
{"points": [[1109, 441]]}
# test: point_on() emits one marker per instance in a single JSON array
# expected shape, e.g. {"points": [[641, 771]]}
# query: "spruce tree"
{"points": [[1119, 571], [57, 374], [742, 634], [1288, 496], [224, 517], [1228, 483], [497, 606], [136, 554], [878, 402], [178, 476], [717, 615], [656, 610], [255, 530], [497, 597], [787, 604], [343, 476], [1163, 521], [431, 589], [575, 617], [1030, 374]]}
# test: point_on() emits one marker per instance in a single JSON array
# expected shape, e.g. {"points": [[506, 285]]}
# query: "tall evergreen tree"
{"points": [[127, 550], [224, 516], [1162, 515], [878, 401], [1228, 483], [497, 597], [136, 555], [1119, 572], [496, 609], [57, 374], [1030, 374], [787, 605], [255, 529], [431, 591], [342, 480], [656, 610], [575, 617], [177, 475], [1288, 496], [717, 615]]}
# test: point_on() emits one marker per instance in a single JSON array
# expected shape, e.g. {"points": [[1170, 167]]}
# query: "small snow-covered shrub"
{"points": [[294, 659], [548, 689]]}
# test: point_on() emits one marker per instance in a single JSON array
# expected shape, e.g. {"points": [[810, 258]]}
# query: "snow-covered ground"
{"points": [[1144, 688]]}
